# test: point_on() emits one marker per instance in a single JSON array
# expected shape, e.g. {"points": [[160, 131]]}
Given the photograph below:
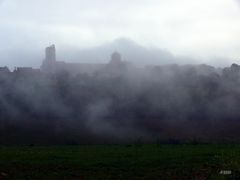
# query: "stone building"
{"points": [[50, 65]]}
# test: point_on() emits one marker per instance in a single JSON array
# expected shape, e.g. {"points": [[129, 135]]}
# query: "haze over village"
{"points": [[119, 89], [173, 71], [118, 101], [174, 75]]}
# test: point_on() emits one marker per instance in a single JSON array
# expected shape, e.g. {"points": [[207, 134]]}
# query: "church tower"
{"points": [[50, 54], [49, 63]]}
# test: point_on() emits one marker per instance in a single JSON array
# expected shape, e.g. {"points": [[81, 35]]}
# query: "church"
{"points": [[50, 64]]}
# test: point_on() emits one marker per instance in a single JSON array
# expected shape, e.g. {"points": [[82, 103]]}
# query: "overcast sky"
{"points": [[200, 28]]}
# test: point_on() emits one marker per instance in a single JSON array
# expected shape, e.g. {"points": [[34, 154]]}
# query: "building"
{"points": [[4, 70], [116, 66], [26, 72], [50, 65]]}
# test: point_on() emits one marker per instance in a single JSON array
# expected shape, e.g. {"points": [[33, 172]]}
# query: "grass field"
{"points": [[119, 162]]}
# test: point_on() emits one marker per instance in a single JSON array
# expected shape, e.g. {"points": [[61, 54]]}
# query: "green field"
{"points": [[119, 162]]}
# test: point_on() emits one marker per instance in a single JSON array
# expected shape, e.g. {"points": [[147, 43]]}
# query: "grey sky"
{"points": [[206, 28]]}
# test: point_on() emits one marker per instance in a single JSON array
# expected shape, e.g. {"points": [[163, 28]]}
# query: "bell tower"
{"points": [[50, 54], [49, 63]]}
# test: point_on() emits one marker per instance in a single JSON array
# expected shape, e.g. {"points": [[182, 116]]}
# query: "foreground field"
{"points": [[120, 162]]}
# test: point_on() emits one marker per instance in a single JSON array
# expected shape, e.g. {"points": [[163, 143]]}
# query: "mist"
{"points": [[132, 52], [152, 71], [120, 102]]}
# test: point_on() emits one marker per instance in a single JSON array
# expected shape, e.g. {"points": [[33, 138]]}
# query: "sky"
{"points": [[207, 29]]}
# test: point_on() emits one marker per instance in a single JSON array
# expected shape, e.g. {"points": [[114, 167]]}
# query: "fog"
{"points": [[178, 27], [177, 81], [121, 103], [137, 54]]}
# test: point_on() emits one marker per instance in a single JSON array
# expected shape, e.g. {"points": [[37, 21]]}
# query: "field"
{"points": [[119, 162]]}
